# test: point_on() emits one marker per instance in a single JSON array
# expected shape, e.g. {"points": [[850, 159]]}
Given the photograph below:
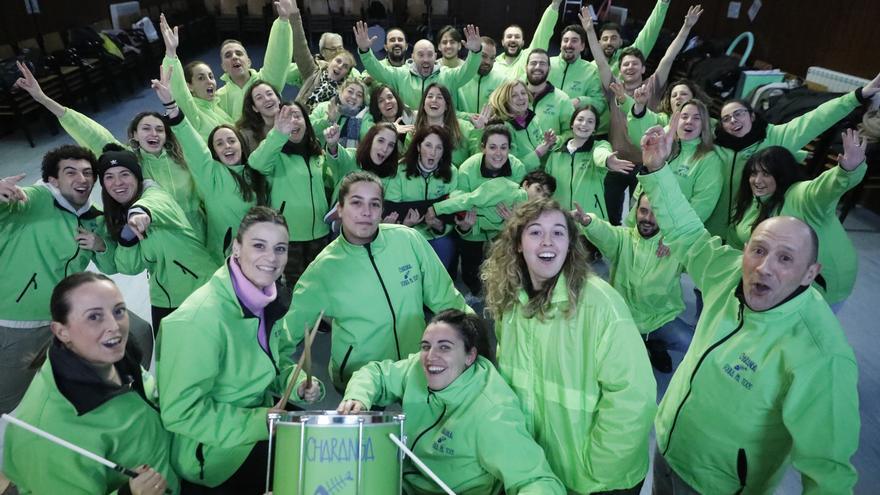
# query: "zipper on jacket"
{"points": [[227, 240], [730, 188], [564, 75], [311, 193], [344, 362], [69, 261], [742, 469], [571, 181], [387, 298], [479, 84], [599, 205], [33, 280], [167, 295], [435, 423], [200, 457], [694, 374], [281, 208], [186, 270]]}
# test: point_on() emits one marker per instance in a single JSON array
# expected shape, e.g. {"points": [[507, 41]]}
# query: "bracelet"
{"points": [[169, 104]]}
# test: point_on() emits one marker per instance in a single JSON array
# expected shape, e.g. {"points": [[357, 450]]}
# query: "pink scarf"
{"points": [[253, 298]]}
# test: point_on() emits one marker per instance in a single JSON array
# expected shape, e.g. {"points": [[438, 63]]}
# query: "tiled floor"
{"points": [[857, 317]]}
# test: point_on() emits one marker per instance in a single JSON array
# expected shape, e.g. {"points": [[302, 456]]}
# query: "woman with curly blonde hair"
{"points": [[568, 347]]}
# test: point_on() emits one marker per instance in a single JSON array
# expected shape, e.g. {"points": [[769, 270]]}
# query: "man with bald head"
{"points": [[411, 80], [769, 376]]}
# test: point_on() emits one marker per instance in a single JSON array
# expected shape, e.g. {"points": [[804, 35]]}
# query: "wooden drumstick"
{"points": [[307, 352]]}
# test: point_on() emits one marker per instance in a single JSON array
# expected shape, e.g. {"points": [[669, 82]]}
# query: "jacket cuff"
{"points": [[639, 114], [176, 120], [861, 97]]}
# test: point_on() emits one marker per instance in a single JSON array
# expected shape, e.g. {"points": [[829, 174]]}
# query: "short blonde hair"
{"points": [[500, 98]]}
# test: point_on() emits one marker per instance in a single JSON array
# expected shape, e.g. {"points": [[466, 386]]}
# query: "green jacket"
{"points": [[175, 258], [553, 110], [38, 248], [216, 383], [469, 145], [475, 190], [205, 115], [279, 51], [585, 385], [815, 202], [792, 135], [650, 285], [580, 176], [320, 122], [755, 389], [224, 207], [402, 188], [647, 37], [516, 68], [457, 431], [172, 176], [474, 95], [297, 186], [122, 426], [524, 139], [578, 79], [375, 294], [410, 85]]}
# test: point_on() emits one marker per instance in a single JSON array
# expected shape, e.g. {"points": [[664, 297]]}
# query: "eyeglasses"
{"points": [[737, 114]]}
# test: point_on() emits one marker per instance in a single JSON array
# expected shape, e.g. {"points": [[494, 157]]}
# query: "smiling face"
{"points": [[762, 182], [150, 134], [424, 57], [388, 105], [487, 59], [584, 124], [544, 246], [234, 60], [631, 70], [690, 123], [97, 323], [262, 253], [435, 104], [299, 125], [227, 146], [443, 355], [449, 47], [352, 96], [75, 181], [571, 47], [496, 151], [776, 261], [121, 184], [395, 44], [736, 119], [610, 41], [537, 68], [430, 152], [645, 220], [266, 102], [202, 84], [512, 41], [518, 103], [360, 212], [339, 67], [382, 146], [680, 95]]}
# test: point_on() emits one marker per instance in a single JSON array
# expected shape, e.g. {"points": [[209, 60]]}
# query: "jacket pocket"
{"points": [[344, 362], [742, 469], [186, 270], [200, 458], [31, 281]]}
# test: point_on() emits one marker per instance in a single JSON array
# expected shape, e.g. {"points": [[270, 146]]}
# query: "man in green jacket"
{"points": [[611, 41], [511, 63], [552, 107], [47, 232], [575, 76], [643, 273], [474, 95], [423, 69], [769, 375]]}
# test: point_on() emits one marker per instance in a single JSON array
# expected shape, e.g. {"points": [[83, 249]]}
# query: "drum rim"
{"points": [[332, 417]]}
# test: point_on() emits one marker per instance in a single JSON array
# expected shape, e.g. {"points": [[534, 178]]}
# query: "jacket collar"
{"points": [[559, 294], [548, 89], [86, 212], [462, 389], [273, 311], [587, 146], [80, 384], [411, 65], [786, 307], [504, 171], [376, 245], [530, 114], [756, 135]]}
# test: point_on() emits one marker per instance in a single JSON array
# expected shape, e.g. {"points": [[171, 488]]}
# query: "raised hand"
{"points": [[29, 83], [331, 136], [391, 217], [854, 147], [412, 218], [9, 190], [481, 119], [547, 144], [580, 216], [286, 8], [333, 109], [169, 36], [162, 86], [693, 15], [619, 92], [642, 95], [362, 36], [555, 4], [586, 19], [872, 87], [284, 120], [472, 38], [657, 144], [402, 128], [662, 250], [618, 164]]}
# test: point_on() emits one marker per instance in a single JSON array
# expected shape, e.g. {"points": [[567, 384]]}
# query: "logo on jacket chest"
{"points": [[408, 274], [742, 370], [442, 444], [575, 86]]}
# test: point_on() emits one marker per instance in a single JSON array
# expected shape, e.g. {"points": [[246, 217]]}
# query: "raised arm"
{"points": [[279, 46], [647, 37], [820, 195], [459, 76], [302, 57], [548, 21], [267, 156], [28, 83], [605, 74], [378, 71], [665, 65]]}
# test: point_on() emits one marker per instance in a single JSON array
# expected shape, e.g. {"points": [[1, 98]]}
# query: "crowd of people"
{"points": [[440, 216]]}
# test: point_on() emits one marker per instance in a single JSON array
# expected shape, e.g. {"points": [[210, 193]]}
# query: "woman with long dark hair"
{"points": [[385, 105], [376, 152], [437, 107], [258, 111], [772, 185]]}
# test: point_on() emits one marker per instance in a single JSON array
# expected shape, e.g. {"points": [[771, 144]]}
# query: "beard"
{"points": [[535, 79], [648, 230], [516, 50]]}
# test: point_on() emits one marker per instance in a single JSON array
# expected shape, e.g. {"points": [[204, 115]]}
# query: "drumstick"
{"points": [[425, 469], [79, 450], [310, 336]]}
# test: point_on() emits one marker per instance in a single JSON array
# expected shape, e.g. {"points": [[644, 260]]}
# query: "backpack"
{"points": [[717, 75]]}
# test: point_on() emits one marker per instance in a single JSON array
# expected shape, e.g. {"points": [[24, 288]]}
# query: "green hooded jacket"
{"points": [[171, 252], [585, 385], [815, 202], [756, 390], [216, 382], [580, 176], [650, 285], [375, 294], [38, 248], [459, 431]]}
